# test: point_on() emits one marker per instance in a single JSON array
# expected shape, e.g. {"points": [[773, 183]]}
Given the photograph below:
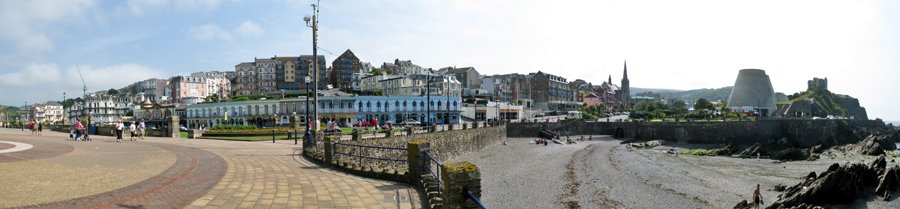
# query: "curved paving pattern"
{"points": [[39, 150], [209, 174], [193, 174]]}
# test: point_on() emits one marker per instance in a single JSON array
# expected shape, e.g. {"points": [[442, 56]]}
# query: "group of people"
{"points": [[137, 130], [37, 128]]}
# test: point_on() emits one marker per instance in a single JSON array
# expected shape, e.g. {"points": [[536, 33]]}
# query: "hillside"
{"points": [[829, 103], [689, 96]]}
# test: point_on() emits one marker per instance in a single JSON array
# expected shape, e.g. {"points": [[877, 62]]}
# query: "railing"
{"points": [[373, 156], [433, 166], [475, 199]]}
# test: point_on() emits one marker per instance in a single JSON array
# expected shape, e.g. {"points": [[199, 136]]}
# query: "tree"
{"points": [[213, 98], [678, 107], [112, 92], [703, 104], [376, 71]]}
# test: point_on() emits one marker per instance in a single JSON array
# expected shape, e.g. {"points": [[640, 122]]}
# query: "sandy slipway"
{"points": [[604, 174]]}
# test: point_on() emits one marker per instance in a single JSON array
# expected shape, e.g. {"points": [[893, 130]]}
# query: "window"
{"points": [[404, 103]]}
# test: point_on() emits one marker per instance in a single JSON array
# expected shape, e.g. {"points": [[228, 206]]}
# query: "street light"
{"points": [[64, 108], [306, 80], [313, 22]]}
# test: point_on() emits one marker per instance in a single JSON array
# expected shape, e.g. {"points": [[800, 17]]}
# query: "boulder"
{"points": [[840, 185], [877, 144], [779, 187], [744, 205], [888, 182]]}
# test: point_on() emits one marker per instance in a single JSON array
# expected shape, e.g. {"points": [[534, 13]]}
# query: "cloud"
{"points": [[248, 28], [210, 32], [33, 75], [213, 31], [141, 7], [25, 23], [113, 76]]}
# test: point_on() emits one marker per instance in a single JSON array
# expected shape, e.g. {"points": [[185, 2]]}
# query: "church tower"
{"points": [[626, 91]]}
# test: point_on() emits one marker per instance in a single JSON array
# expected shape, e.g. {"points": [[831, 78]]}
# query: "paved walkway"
{"points": [[176, 173]]}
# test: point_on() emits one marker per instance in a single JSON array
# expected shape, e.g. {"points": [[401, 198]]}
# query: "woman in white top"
{"points": [[132, 128]]}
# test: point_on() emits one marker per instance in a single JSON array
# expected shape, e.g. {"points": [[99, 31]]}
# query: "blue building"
{"points": [[346, 110]]}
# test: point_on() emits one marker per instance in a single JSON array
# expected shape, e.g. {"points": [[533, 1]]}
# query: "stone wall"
{"points": [[801, 133], [448, 144]]}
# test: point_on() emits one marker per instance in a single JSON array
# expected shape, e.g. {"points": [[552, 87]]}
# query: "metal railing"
{"points": [[373, 156], [433, 166], [474, 199]]}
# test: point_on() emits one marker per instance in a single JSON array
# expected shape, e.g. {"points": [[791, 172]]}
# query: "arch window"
{"points": [[266, 108]]}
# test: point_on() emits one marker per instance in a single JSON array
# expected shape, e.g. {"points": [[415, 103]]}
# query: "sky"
{"points": [[668, 44]]}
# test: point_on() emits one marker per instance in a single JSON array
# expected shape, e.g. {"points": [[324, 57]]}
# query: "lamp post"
{"points": [[313, 22], [428, 98], [64, 108], [306, 80]]}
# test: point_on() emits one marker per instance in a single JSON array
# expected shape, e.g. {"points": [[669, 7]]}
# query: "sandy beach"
{"points": [[604, 174]]}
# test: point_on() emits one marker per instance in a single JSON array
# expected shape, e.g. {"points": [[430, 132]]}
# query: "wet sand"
{"points": [[603, 174]]}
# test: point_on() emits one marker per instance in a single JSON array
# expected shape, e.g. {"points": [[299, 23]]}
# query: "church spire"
{"points": [[625, 74]]}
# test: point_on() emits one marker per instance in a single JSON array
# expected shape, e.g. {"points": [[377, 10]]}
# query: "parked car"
{"points": [[183, 128]]}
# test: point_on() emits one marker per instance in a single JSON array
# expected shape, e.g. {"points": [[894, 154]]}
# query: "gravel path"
{"points": [[603, 174]]}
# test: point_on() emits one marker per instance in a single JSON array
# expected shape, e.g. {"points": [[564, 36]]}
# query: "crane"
{"points": [[84, 90]]}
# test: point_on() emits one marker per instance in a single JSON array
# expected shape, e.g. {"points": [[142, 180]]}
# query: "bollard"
{"points": [[273, 136], [295, 137]]}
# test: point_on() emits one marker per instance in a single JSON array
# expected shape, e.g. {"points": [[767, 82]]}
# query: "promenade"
{"points": [[178, 173]]}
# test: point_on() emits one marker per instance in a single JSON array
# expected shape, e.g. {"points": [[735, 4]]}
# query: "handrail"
{"points": [[436, 174], [475, 199]]}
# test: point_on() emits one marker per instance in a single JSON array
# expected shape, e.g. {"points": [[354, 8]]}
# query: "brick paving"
{"points": [[40, 150], [201, 174]]}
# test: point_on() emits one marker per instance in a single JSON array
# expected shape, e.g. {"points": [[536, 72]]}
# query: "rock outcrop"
{"points": [[840, 185], [876, 144]]}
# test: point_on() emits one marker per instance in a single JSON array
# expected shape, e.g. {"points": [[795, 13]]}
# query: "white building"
{"points": [[415, 85], [216, 83], [103, 109], [48, 113]]}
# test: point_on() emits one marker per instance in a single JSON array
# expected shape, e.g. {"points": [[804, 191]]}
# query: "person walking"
{"points": [[31, 126], [757, 198], [79, 130], [40, 128], [119, 127], [143, 128], [132, 128]]}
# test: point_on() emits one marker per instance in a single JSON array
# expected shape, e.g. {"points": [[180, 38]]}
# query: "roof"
{"points": [[460, 70]]}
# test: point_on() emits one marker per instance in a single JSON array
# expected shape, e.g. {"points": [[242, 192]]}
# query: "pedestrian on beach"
{"points": [[132, 128], [757, 198], [119, 127], [142, 127]]}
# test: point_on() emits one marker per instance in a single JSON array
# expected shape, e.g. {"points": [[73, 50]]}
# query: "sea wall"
{"points": [[800, 133]]}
